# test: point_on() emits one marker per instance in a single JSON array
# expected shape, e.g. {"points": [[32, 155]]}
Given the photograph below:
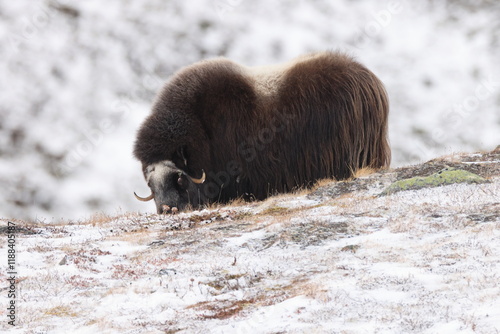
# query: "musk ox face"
{"points": [[171, 188]]}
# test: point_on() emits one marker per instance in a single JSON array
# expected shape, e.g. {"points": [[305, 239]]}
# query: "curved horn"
{"points": [[144, 199], [200, 180]]}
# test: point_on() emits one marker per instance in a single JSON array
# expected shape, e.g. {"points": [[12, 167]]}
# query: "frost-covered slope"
{"points": [[338, 259], [78, 78]]}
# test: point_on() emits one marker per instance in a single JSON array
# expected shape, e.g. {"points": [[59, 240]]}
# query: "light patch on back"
{"points": [[267, 78]]}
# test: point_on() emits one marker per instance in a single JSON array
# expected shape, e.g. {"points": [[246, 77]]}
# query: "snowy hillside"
{"points": [[337, 259], [79, 77]]}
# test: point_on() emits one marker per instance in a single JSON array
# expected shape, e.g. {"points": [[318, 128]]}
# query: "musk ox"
{"points": [[219, 130]]}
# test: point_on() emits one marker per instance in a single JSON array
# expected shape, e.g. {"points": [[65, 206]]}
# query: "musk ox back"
{"points": [[219, 130]]}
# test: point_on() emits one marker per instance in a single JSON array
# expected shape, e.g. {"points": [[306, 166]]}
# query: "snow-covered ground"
{"points": [[337, 259], [79, 77]]}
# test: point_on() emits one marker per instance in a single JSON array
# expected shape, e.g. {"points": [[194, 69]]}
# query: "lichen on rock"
{"points": [[444, 177]]}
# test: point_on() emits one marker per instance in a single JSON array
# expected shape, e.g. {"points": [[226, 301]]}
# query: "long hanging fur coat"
{"points": [[264, 130]]}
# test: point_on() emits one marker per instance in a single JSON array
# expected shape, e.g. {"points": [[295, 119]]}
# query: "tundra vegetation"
{"points": [[338, 257]]}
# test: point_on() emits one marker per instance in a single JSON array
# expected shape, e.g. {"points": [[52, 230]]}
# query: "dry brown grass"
{"points": [[327, 181], [350, 248], [365, 172], [225, 309], [98, 219], [61, 311], [221, 310], [275, 211], [237, 202], [314, 290], [322, 183]]}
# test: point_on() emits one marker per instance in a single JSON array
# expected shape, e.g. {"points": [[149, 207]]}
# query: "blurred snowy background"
{"points": [[77, 79]]}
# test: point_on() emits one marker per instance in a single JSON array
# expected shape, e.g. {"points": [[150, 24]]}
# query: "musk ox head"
{"points": [[171, 188], [172, 147], [220, 131]]}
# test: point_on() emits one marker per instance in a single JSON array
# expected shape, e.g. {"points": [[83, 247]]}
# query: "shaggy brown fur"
{"points": [[261, 131]]}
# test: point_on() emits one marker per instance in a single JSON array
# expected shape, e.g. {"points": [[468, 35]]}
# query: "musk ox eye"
{"points": [[182, 182]]}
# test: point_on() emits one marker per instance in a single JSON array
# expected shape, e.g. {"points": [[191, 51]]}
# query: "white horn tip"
{"points": [[200, 180]]}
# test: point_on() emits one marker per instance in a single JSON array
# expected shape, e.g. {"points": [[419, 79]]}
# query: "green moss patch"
{"points": [[441, 178]]}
